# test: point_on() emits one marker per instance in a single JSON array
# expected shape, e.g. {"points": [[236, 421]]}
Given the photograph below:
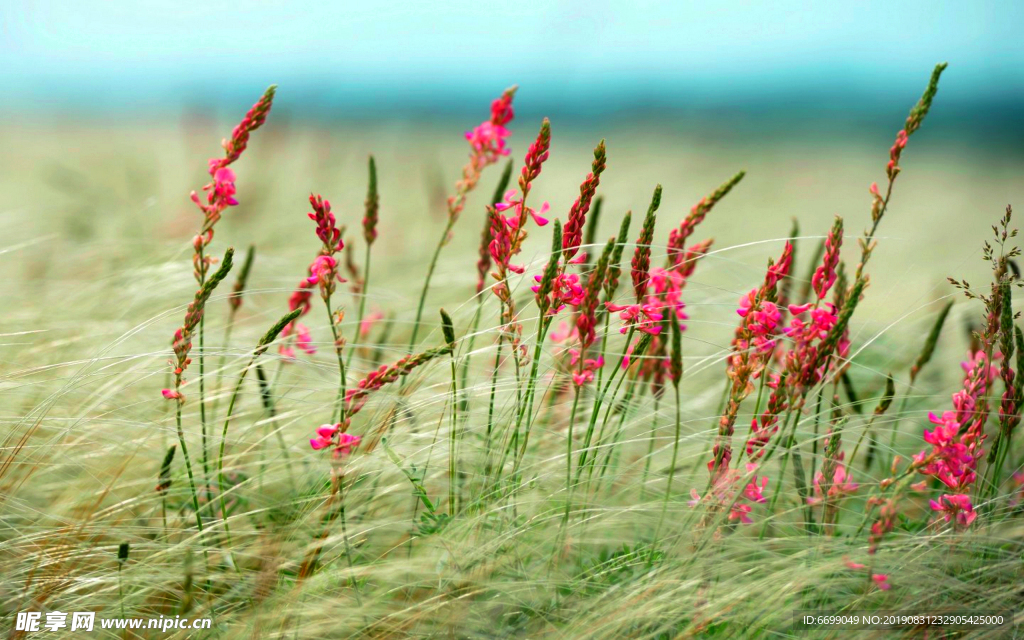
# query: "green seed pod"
{"points": [[448, 329]]}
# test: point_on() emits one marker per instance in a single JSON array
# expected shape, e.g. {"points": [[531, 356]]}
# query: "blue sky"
{"points": [[112, 54]]}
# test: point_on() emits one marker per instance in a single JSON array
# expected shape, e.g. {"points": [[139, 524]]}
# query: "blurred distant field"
{"points": [[86, 206]]}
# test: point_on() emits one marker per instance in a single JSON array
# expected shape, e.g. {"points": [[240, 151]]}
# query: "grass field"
{"points": [[95, 252]]}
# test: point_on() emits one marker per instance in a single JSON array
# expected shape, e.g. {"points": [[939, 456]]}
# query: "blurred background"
{"points": [[110, 110]]}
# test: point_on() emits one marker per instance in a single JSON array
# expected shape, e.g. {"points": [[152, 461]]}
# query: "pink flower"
{"points": [[325, 436], [224, 186], [345, 444], [565, 289], [841, 485], [723, 492], [565, 332], [762, 322], [585, 373], [894, 154], [324, 272], [303, 340], [881, 581], [741, 512], [754, 491], [956, 441], [825, 275], [642, 317], [516, 204], [171, 394], [955, 506], [488, 142]]}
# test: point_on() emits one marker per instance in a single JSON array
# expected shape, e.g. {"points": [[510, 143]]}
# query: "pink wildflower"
{"points": [[565, 290], [487, 144], [956, 441], [825, 275], [642, 317], [841, 485], [220, 192], [723, 491], [881, 581], [343, 445], [585, 372], [955, 506]]}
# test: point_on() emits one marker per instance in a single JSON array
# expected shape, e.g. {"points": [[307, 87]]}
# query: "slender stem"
{"points": [[362, 306], [188, 467], [600, 396], [426, 285], [202, 370], [223, 440], [671, 476], [453, 440], [220, 361], [568, 460], [344, 537], [613, 451], [339, 409], [531, 390], [490, 411], [895, 430], [650, 448]]}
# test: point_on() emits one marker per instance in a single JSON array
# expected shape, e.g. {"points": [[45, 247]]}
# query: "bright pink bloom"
{"points": [[171, 394], [807, 336], [224, 186], [515, 203], [343, 445], [723, 492], [955, 506], [488, 142], [754, 491], [565, 289], [642, 317], [762, 323], [325, 436], [508, 233], [881, 581], [584, 373], [841, 485], [326, 225], [957, 438]]}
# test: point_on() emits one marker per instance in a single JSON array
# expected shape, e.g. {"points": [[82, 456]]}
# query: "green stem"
{"points": [[599, 399], [671, 476], [531, 389], [426, 285], [568, 463], [490, 412], [188, 467], [339, 409], [223, 440], [650, 448], [453, 442], [362, 307]]}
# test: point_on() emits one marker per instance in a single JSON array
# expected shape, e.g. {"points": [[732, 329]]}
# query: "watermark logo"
{"points": [[32, 621]]}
